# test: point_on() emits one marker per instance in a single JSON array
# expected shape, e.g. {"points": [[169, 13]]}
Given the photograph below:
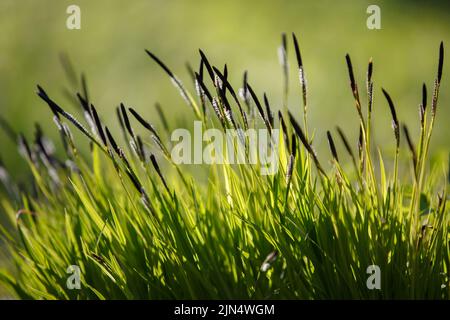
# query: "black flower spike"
{"points": [[144, 123], [284, 41], [135, 181], [350, 73], [160, 63], [437, 82], [207, 65], [441, 62], [126, 120], [198, 88], [354, 88], [268, 111], [361, 154], [245, 84], [423, 106], [224, 79], [225, 76], [140, 148], [346, 143], [411, 147], [424, 96], [395, 123], [158, 170], [98, 124], [332, 146], [293, 145], [361, 143], [83, 103], [119, 117], [201, 69], [300, 68], [259, 107], [177, 83], [57, 110], [297, 52], [369, 71], [305, 142], [300, 133], [112, 141], [53, 106]]}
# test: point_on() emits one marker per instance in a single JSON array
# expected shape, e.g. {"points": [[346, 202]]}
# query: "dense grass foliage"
{"points": [[141, 227]]}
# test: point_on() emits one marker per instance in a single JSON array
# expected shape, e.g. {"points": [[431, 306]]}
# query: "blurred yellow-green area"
{"points": [[109, 49]]}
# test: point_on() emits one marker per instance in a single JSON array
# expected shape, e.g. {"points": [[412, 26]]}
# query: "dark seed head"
{"points": [[293, 145], [411, 147], [360, 142], [300, 133], [268, 111], [98, 125], [441, 61], [84, 88], [83, 103], [297, 52], [369, 71], [350, 73], [290, 168], [207, 65], [424, 96], [126, 119], [332, 146], [53, 106], [144, 123], [345, 141], [158, 171], [298, 130], [259, 107], [112, 141], [160, 63], [395, 123]]}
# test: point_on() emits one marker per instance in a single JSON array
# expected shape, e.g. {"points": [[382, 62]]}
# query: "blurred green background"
{"points": [[109, 49]]}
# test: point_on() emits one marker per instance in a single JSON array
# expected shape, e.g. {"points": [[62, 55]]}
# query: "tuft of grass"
{"points": [[140, 227]]}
